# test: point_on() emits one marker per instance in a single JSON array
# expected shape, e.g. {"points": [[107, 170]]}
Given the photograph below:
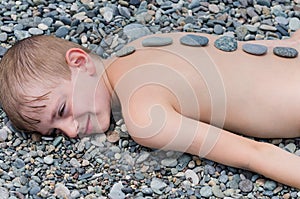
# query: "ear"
{"points": [[78, 58]]}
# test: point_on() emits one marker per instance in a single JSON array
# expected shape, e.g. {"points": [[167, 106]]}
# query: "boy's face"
{"points": [[78, 107]]}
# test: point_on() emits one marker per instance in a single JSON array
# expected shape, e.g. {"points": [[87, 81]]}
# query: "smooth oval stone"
{"points": [[286, 52], [157, 41], [125, 51], [194, 40], [226, 43], [255, 49]]}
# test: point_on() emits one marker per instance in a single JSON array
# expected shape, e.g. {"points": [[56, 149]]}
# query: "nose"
{"points": [[69, 127]]}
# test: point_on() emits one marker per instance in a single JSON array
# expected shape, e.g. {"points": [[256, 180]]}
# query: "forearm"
{"points": [[277, 164], [263, 158]]}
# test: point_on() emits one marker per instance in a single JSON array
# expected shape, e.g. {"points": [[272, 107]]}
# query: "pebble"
{"points": [[116, 191], [135, 31], [157, 41], [194, 40], [48, 159], [3, 36], [114, 136], [4, 193], [190, 174], [286, 52], [226, 43], [62, 31], [206, 191], [157, 185], [255, 49], [61, 191], [294, 23], [169, 162], [124, 52], [270, 185], [35, 31], [143, 157], [3, 135], [246, 185], [217, 191]]}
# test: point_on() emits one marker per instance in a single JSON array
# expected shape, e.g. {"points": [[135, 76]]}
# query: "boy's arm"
{"points": [[174, 131]]}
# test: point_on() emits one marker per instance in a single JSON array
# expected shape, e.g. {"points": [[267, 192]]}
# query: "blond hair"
{"points": [[40, 60]]}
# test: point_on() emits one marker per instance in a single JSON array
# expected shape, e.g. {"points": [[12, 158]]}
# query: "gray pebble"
{"points": [[21, 34], [4, 193], [194, 40], [135, 31], [286, 52], [34, 190], [241, 32], [206, 191], [270, 185], [281, 20], [147, 191], [19, 163], [3, 36], [127, 50], [217, 191], [294, 23], [264, 2], [143, 157], [255, 49], [61, 191], [2, 50], [169, 162], [75, 194], [157, 185], [57, 141], [291, 147], [35, 31], [218, 29], [245, 185], [157, 41], [62, 31], [116, 191], [226, 43], [3, 134], [48, 159]]}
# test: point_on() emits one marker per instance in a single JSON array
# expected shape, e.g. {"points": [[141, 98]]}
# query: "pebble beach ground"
{"points": [[32, 166]]}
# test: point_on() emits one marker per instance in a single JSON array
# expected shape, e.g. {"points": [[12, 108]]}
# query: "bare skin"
{"points": [[251, 95], [188, 99]]}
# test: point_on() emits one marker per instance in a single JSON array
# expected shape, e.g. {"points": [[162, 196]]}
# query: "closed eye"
{"points": [[61, 110]]}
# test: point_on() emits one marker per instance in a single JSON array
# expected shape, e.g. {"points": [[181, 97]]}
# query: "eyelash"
{"points": [[61, 110]]}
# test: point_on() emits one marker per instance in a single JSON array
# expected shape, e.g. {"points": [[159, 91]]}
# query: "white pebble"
{"points": [[190, 174]]}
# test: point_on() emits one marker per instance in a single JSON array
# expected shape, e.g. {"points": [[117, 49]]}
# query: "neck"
{"points": [[101, 67]]}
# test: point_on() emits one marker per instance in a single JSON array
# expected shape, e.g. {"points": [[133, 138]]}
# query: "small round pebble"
{"points": [[194, 40], [255, 49], [225, 43], [246, 185], [286, 52], [125, 51], [157, 41]]}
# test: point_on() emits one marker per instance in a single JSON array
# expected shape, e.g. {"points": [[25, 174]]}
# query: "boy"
{"points": [[173, 97]]}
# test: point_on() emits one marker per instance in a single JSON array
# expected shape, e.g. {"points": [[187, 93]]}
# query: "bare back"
{"points": [[248, 94]]}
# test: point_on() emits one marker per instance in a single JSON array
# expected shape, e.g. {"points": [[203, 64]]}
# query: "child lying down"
{"points": [[187, 92]]}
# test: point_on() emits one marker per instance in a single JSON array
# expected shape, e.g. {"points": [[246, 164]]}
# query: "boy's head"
{"points": [[43, 73]]}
